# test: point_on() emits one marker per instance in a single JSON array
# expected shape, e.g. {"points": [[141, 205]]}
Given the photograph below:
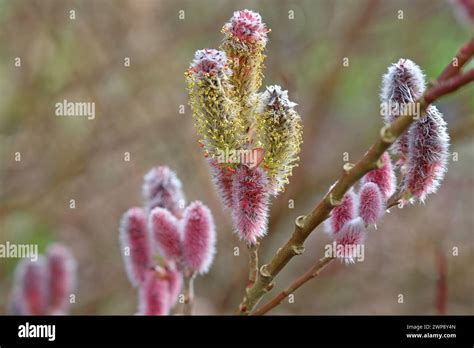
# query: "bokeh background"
{"points": [[137, 111]]}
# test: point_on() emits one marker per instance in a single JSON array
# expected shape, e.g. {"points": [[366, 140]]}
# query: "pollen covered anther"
{"points": [[279, 132], [215, 113], [245, 38]]}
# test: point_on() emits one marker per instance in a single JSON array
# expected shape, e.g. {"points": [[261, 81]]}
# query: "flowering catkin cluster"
{"points": [[232, 116], [163, 241], [44, 286], [422, 152], [349, 220], [423, 149]]}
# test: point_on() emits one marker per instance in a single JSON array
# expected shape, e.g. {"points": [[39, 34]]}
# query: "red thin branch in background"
{"points": [[441, 282]]}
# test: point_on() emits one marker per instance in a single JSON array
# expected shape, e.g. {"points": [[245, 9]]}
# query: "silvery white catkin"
{"points": [[428, 151], [403, 83]]}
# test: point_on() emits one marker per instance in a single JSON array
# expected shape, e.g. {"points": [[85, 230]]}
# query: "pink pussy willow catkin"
{"points": [[199, 238], [135, 245]]}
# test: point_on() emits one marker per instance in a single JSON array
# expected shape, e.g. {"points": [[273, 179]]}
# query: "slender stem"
{"points": [[464, 54], [304, 225], [297, 283], [188, 305], [253, 263], [394, 200]]}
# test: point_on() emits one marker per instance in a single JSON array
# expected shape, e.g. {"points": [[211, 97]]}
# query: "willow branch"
{"points": [[313, 272], [463, 56], [305, 224], [253, 263]]}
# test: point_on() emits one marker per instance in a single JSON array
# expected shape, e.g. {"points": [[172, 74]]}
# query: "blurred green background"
{"points": [[137, 111]]}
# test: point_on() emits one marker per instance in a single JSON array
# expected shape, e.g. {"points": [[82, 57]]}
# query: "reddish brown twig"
{"points": [[464, 54], [441, 283], [307, 276]]}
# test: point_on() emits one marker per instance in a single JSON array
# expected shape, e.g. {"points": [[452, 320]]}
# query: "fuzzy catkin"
{"points": [[351, 235], [245, 38], [215, 113], [31, 287], [403, 83], [279, 132], [222, 178], [250, 207], [428, 146], [346, 211], [383, 177], [162, 188], [153, 295], [62, 278], [135, 245], [199, 238], [371, 203], [166, 234]]}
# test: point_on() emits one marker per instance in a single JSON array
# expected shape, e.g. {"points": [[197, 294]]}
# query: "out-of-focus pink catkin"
{"points": [[250, 207], [352, 235], [153, 295], [199, 238], [404, 83], [342, 213], [62, 277], [166, 233], [135, 243], [222, 178], [15, 306], [428, 154], [162, 188], [31, 286], [384, 177], [371, 203]]}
